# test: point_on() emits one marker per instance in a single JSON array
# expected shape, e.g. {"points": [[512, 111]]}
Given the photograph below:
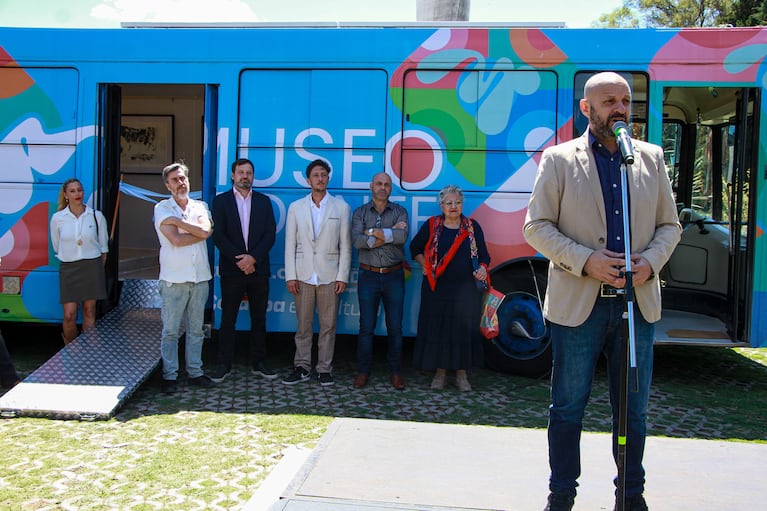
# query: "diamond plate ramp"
{"points": [[92, 376]]}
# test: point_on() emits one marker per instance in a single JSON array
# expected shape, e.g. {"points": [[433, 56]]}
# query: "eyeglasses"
{"points": [[451, 204]]}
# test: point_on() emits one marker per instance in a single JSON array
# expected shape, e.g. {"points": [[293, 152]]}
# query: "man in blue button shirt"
{"points": [[575, 219]]}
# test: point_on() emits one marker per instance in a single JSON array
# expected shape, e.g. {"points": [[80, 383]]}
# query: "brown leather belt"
{"points": [[608, 291], [385, 269]]}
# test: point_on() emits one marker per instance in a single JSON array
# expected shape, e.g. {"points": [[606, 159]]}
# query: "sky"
{"points": [[109, 13]]}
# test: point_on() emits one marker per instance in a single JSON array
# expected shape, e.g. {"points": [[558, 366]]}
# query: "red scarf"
{"points": [[436, 267]]}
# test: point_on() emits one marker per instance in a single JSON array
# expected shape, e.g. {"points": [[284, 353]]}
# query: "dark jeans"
{"points": [[576, 352], [372, 289], [232, 291], [8, 375]]}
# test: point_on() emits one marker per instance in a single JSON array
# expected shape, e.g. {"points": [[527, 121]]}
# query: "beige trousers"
{"points": [[326, 301]]}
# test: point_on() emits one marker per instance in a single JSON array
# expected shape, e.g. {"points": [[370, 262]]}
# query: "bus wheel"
{"points": [[523, 345]]}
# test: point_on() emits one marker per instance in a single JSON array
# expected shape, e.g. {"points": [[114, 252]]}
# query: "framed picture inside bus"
{"points": [[146, 143]]}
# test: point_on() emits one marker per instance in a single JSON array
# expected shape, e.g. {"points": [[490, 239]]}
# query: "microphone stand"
{"points": [[628, 347]]}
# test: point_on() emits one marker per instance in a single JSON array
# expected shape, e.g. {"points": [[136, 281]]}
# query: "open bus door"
{"points": [[108, 183], [709, 141], [741, 221], [182, 120], [209, 174]]}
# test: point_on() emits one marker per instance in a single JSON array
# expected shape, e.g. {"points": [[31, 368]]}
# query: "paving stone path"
{"points": [[498, 400]]}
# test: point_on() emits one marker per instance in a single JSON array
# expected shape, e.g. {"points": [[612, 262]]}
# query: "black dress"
{"points": [[448, 320]]}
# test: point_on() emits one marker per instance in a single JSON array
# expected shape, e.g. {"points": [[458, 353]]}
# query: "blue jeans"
{"points": [[182, 302], [372, 289], [576, 351]]}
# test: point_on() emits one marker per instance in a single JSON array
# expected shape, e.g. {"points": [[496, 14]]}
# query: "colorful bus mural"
{"points": [[465, 104]]}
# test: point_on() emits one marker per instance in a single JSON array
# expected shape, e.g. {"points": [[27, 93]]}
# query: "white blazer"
{"points": [[330, 254]]}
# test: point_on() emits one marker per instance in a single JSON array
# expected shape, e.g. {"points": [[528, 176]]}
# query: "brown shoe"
{"points": [[397, 382], [360, 381]]}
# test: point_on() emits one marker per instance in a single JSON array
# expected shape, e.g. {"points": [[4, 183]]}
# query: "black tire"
{"points": [[512, 352]]}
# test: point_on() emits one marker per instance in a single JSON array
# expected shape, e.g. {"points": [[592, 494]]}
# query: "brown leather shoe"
{"points": [[360, 381], [397, 382]]}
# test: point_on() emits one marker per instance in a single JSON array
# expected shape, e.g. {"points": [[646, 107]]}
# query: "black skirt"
{"points": [[82, 280]]}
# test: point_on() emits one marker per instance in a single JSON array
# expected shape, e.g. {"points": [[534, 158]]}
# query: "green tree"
{"points": [[670, 13], [624, 16], [746, 13]]}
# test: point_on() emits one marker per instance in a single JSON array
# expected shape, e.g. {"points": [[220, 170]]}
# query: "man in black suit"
{"points": [[244, 234]]}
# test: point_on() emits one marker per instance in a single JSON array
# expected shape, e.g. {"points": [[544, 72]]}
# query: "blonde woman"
{"points": [[80, 241]]}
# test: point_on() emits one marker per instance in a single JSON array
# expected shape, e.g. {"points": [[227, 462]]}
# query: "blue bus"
{"points": [[431, 105]]}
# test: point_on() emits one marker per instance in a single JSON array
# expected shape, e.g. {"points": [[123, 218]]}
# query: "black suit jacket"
{"points": [[227, 232]]}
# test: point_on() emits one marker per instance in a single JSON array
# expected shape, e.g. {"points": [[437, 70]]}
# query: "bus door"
{"points": [[108, 181], [709, 139], [144, 127], [209, 174]]}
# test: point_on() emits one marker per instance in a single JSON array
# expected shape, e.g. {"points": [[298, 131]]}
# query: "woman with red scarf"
{"points": [[451, 251]]}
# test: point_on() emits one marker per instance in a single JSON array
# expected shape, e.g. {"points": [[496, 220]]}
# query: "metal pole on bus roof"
{"points": [[442, 10]]}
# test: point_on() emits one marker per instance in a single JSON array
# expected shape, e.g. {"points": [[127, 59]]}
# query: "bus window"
{"points": [[672, 147], [288, 117], [638, 84], [712, 187], [482, 123], [703, 178]]}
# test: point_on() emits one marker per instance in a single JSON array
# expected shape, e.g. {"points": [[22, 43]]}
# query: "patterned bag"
{"points": [[488, 323]]}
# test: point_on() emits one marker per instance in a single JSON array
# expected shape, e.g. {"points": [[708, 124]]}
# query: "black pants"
{"points": [[232, 291], [8, 375]]}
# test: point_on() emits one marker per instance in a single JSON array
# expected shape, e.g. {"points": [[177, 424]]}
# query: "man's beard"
{"points": [[244, 185], [603, 130]]}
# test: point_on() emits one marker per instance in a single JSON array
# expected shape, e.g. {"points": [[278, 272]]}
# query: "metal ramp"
{"points": [[97, 372]]}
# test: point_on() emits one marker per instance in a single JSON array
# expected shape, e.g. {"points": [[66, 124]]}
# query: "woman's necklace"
{"points": [[76, 213], [77, 230]]}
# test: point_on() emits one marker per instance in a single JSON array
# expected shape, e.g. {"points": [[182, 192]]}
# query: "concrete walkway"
{"points": [[377, 465]]}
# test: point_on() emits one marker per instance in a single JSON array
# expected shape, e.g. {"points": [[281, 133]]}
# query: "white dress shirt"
{"points": [[182, 264], [243, 208], [317, 215], [75, 238]]}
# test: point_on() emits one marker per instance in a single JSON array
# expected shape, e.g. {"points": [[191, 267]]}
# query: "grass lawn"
{"points": [[212, 449]]}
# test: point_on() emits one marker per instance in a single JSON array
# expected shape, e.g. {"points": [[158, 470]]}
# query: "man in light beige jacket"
{"points": [[318, 252], [575, 219]]}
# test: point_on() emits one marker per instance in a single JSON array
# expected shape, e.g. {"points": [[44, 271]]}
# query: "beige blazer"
{"points": [[330, 254], [566, 222]]}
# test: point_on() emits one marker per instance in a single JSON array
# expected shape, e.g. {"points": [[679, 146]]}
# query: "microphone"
{"points": [[621, 131]]}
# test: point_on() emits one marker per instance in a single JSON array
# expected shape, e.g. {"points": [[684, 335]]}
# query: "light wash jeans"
{"points": [[576, 352], [182, 302]]}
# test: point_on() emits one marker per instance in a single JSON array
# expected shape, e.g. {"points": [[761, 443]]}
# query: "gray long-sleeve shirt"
{"points": [[366, 217]]}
